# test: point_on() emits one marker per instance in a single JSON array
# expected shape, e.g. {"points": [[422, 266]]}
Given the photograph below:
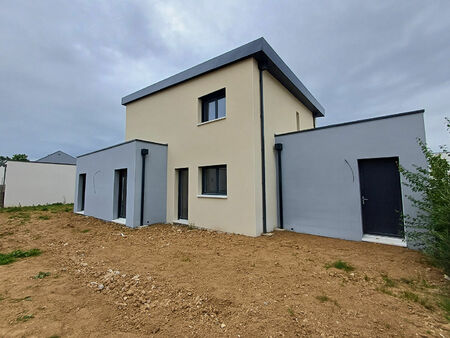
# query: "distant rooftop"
{"points": [[58, 157], [262, 52]]}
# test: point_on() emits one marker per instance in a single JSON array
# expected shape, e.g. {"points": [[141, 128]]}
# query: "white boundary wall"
{"points": [[33, 183]]}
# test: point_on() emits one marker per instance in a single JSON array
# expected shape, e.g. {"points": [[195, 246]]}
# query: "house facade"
{"points": [[218, 123]]}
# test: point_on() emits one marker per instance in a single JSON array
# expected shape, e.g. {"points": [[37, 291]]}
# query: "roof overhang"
{"points": [[266, 57]]}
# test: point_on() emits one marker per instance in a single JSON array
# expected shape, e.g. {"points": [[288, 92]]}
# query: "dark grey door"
{"points": [[122, 200], [183, 186], [82, 186], [381, 198]]}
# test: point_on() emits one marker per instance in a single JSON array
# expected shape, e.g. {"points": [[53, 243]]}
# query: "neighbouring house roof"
{"points": [[58, 157], [261, 51]]}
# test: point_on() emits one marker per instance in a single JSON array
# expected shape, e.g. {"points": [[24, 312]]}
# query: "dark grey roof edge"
{"points": [[420, 111], [54, 154], [259, 49], [121, 144], [41, 162]]}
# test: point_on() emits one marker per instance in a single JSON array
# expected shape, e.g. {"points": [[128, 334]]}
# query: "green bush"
{"points": [[430, 227]]}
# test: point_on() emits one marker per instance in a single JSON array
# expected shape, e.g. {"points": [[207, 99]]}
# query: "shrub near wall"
{"points": [[430, 228]]}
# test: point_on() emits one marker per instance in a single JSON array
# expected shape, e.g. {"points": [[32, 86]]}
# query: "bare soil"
{"points": [[164, 280]]}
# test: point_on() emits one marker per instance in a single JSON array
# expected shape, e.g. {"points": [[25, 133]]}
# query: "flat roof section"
{"points": [[262, 52]]}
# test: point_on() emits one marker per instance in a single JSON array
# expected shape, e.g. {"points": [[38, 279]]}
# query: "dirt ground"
{"points": [[163, 280]]}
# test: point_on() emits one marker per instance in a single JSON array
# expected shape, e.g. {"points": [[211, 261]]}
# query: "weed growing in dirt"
{"points": [[41, 275], [12, 256], [323, 298], [388, 282], [444, 304], [366, 278], [408, 281], [411, 296], [385, 290], [341, 265], [25, 318], [16, 300], [23, 217], [44, 217], [85, 231], [291, 312], [186, 259]]}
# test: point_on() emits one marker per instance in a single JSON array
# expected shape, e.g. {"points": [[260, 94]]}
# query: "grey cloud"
{"points": [[64, 66]]}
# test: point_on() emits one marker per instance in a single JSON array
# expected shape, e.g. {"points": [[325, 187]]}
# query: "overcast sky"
{"points": [[65, 65]]}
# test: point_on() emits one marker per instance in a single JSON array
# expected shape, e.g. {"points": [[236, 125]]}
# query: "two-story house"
{"points": [[200, 149], [218, 120]]}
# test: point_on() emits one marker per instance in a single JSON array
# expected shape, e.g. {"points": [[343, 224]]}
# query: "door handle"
{"points": [[363, 200]]}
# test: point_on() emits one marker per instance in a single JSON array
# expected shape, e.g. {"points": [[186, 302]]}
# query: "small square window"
{"points": [[214, 180], [213, 106]]}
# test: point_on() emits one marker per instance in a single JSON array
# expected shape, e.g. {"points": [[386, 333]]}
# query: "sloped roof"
{"points": [[261, 51], [58, 157]]}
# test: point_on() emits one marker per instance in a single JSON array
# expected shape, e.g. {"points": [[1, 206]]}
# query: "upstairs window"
{"points": [[214, 180], [213, 106]]}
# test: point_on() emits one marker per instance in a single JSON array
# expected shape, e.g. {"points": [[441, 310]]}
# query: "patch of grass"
{"points": [[408, 281], [341, 265], [445, 305], [425, 284], [85, 231], [411, 296], [388, 282], [24, 318], [55, 336], [185, 259], [12, 256], [41, 275], [44, 217], [23, 217], [385, 290], [323, 298], [58, 207], [366, 278], [291, 312]]}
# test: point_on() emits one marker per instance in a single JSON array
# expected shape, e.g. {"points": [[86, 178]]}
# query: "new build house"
{"points": [[201, 149]]}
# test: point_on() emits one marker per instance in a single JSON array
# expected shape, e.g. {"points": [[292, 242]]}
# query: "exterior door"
{"points": [[122, 200], [381, 198], [82, 187], [183, 186]]}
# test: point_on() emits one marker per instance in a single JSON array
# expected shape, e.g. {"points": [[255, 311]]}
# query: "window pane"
{"points": [[221, 108], [211, 110], [210, 180], [223, 180]]}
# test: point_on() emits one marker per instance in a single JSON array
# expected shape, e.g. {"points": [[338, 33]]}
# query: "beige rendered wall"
{"points": [[33, 183], [172, 116], [280, 116]]}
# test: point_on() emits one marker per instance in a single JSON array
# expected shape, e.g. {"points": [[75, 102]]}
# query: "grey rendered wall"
{"points": [[321, 194], [100, 168], [155, 183]]}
